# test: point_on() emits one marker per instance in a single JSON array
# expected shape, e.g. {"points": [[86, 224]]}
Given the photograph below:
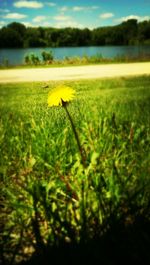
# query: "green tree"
{"points": [[10, 38], [18, 27], [129, 31], [144, 32], [33, 38]]}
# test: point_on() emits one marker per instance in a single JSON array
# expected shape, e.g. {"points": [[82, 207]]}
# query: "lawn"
{"points": [[55, 205]]}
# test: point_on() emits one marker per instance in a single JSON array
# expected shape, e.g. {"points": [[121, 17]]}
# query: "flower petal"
{"points": [[60, 93]]}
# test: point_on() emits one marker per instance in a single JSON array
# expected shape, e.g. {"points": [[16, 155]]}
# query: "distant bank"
{"points": [[17, 56]]}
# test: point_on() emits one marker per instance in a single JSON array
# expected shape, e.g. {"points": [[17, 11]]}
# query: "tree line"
{"points": [[131, 32]]}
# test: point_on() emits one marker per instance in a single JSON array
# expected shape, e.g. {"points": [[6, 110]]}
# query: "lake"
{"points": [[16, 56]]}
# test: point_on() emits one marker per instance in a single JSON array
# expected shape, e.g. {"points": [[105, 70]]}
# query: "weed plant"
{"points": [[48, 198], [49, 59]]}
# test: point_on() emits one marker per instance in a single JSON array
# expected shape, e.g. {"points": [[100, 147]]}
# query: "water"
{"points": [[16, 56]]}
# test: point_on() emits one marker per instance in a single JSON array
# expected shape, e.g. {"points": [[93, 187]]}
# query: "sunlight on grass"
{"points": [[48, 196]]}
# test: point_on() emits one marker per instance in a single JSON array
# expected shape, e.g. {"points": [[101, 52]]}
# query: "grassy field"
{"points": [[50, 202]]}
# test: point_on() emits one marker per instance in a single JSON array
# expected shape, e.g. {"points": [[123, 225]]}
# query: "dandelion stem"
{"points": [[81, 150]]}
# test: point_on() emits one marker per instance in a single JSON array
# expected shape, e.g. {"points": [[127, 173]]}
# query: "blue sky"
{"points": [[72, 13]]}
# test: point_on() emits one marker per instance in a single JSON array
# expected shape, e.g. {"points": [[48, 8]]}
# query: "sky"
{"points": [[72, 13]]}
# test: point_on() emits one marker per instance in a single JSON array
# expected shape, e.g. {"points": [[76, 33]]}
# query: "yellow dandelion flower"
{"points": [[59, 95]]}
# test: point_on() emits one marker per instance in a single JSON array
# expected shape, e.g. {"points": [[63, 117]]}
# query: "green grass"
{"points": [[47, 195]]}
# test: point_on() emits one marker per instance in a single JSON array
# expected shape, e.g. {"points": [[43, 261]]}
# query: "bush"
{"points": [[32, 59], [27, 59], [47, 57]]}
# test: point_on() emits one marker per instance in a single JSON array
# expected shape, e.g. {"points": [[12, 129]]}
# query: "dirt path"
{"points": [[74, 72]]}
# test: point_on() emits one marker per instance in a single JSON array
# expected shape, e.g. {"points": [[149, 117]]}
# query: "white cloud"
{"points": [[36, 25], [68, 24], [62, 18], [14, 16], [2, 23], [28, 4], [50, 4], [139, 18], [39, 19], [94, 7], [78, 8], [106, 15], [46, 24], [4, 10], [144, 18], [64, 8], [27, 24], [84, 8]]}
